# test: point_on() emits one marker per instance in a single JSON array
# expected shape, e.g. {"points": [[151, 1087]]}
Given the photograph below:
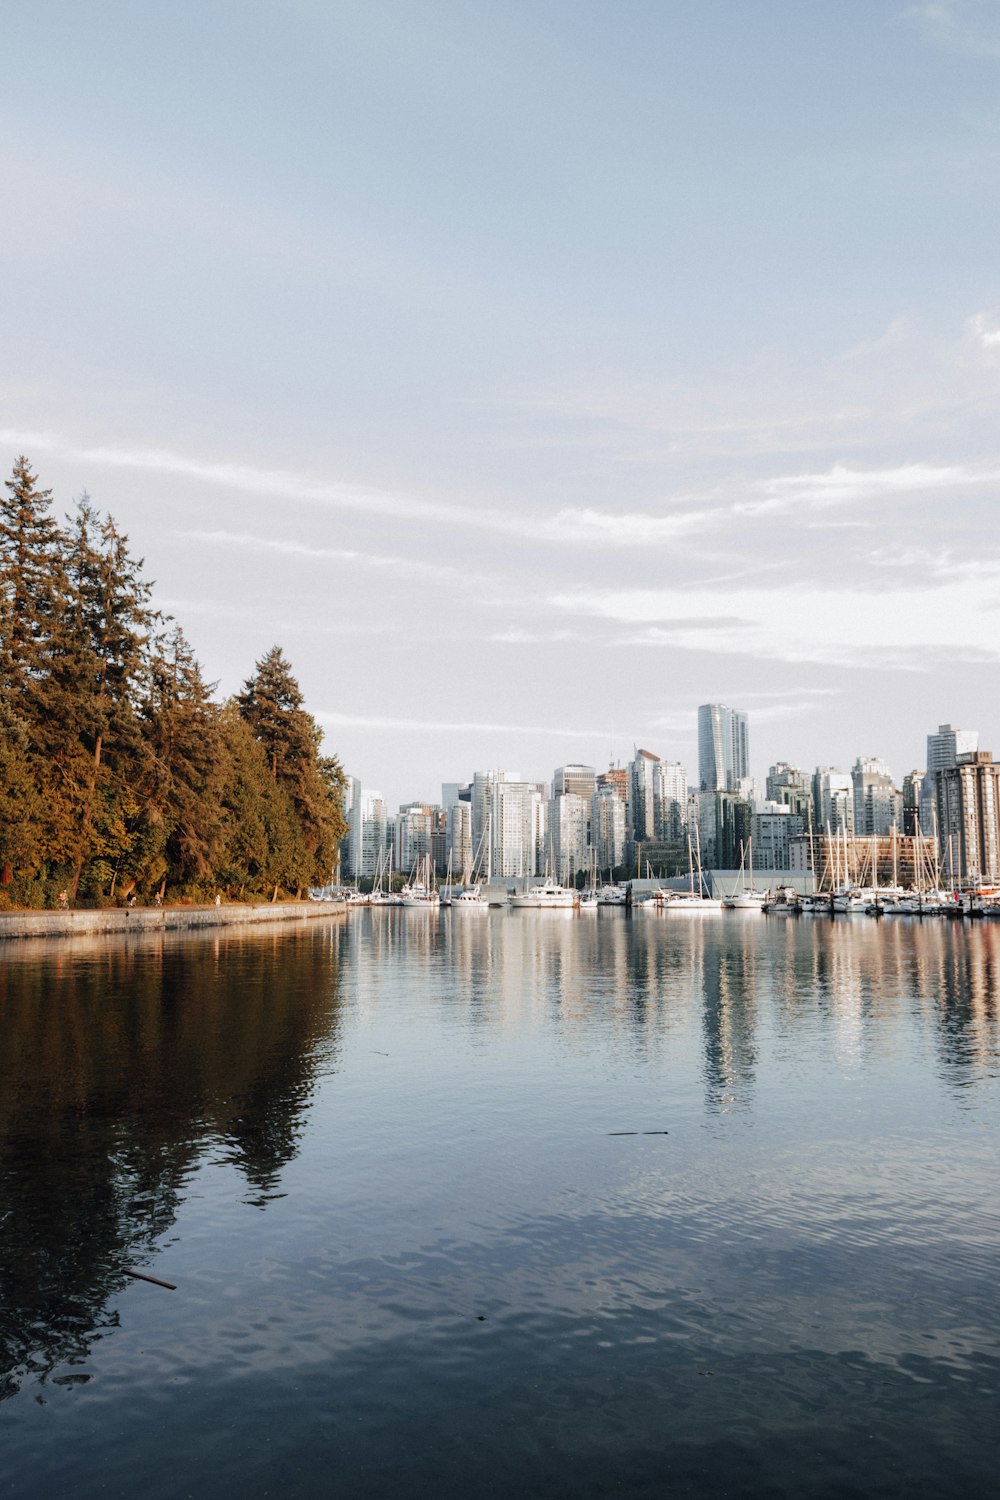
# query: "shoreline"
{"points": [[49, 924]]}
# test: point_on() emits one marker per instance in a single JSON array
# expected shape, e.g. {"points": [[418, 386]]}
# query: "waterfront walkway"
{"points": [[27, 924]]}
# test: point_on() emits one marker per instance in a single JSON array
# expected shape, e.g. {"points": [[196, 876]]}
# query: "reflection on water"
{"points": [[124, 1062], [531, 1201]]}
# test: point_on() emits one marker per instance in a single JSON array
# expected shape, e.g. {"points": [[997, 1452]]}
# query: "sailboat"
{"points": [[420, 890], [746, 898], [691, 900], [472, 897], [383, 896], [590, 899]]}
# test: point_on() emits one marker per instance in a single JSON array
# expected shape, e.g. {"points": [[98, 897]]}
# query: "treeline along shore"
{"points": [[122, 778]]}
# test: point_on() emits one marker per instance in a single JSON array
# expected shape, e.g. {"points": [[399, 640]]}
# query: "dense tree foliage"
{"points": [[120, 776]]}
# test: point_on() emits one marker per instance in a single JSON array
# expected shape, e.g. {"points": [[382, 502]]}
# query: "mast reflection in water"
{"points": [[540, 1202]]}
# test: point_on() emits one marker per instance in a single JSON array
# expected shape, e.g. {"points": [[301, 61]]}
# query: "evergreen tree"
{"points": [[107, 627], [30, 580], [187, 766], [117, 770], [271, 703]]}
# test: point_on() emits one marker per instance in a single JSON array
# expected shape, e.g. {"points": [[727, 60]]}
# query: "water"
{"points": [[383, 1161]]}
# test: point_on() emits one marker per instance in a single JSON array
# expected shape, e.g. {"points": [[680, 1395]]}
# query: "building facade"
{"points": [[968, 815], [723, 747]]}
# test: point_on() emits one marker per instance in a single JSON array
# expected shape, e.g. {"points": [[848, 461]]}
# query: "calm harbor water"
{"points": [[527, 1203]]}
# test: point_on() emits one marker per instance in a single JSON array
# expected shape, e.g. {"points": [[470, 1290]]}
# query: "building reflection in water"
{"points": [[638, 982], [126, 1064]]}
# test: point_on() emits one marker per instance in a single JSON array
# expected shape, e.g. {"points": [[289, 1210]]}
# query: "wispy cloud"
{"points": [[966, 26], [681, 517], [984, 329], [826, 625], [404, 567], [429, 726]]}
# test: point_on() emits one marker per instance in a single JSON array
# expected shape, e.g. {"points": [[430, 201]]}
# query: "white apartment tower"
{"points": [[878, 805], [568, 820], [509, 809], [607, 827], [366, 831]]}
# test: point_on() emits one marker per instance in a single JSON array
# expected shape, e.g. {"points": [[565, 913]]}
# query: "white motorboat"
{"points": [[470, 898], [612, 895], [549, 896]]}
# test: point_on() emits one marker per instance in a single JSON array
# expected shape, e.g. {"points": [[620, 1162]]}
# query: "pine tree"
{"points": [[100, 674], [187, 767], [30, 579], [271, 703]]}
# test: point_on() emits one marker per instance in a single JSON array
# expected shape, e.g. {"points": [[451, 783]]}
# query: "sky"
{"points": [[530, 372]]}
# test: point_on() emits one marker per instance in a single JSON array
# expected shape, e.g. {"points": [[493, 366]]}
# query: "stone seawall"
{"points": [[49, 924]]}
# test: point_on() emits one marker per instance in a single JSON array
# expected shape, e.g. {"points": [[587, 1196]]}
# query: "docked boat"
{"points": [[745, 898], [420, 890], [684, 901], [783, 903], [549, 896], [693, 899], [612, 895], [470, 898]]}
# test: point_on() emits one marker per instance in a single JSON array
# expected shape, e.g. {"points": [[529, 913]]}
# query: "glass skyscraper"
{"points": [[723, 747]]}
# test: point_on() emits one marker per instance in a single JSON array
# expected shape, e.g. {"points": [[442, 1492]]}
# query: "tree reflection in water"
{"points": [[125, 1065]]}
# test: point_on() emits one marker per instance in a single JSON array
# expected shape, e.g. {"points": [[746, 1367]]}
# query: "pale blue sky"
{"points": [[532, 372]]}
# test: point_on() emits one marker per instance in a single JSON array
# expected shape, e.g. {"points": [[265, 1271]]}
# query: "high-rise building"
{"points": [[723, 747], [569, 816], [772, 827], [968, 815], [792, 787], [581, 781], [512, 811], [459, 846], [643, 776], [912, 784], [878, 805], [671, 801], [366, 832], [833, 800], [416, 824], [607, 827], [943, 750]]}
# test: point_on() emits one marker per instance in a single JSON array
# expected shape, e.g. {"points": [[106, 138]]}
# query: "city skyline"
{"points": [[532, 375]]}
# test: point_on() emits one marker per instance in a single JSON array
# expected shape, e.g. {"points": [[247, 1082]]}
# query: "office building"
{"points": [[512, 812], [459, 838], [366, 832], [968, 815], [723, 747], [943, 750], [581, 781], [793, 788], [773, 825], [607, 827], [670, 803], [643, 777], [878, 805], [833, 800], [569, 816]]}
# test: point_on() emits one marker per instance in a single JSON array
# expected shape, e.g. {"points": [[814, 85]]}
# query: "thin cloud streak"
{"points": [[424, 726], [839, 485], [403, 566]]}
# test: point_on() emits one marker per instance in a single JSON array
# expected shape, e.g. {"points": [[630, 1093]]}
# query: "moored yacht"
{"points": [[420, 890], [549, 896]]}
